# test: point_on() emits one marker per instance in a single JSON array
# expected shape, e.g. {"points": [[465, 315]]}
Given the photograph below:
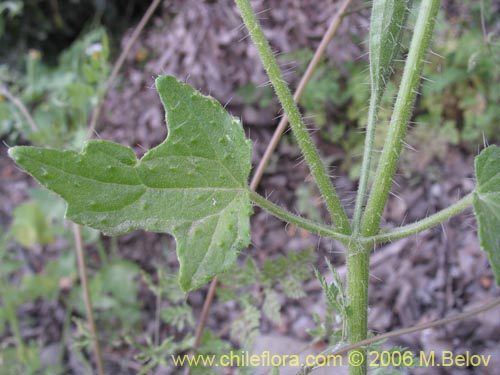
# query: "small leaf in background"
{"points": [[114, 290], [39, 285], [288, 272], [487, 204], [30, 225], [271, 306], [232, 282], [308, 201], [119, 279], [51, 205], [213, 344], [245, 328], [178, 317], [252, 94], [193, 185], [336, 307], [292, 286]]}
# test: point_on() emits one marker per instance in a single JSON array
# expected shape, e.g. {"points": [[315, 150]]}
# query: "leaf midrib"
{"points": [[141, 184]]}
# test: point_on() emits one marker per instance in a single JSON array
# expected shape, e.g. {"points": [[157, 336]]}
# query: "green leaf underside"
{"points": [[487, 204], [193, 185]]}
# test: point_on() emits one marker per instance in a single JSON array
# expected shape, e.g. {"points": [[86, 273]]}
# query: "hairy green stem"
{"points": [[358, 253], [304, 140], [385, 236], [421, 225], [366, 164], [400, 117], [318, 55], [300, 222], [358, 263], [358, 268]]}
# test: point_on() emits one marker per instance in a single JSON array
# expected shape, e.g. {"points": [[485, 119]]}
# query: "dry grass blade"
{"points": [[86, 296], [119, 63], [318, 55]]}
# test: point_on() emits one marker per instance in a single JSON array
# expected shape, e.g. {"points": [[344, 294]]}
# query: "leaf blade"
{"points": [[193, 185], [486, 204]]}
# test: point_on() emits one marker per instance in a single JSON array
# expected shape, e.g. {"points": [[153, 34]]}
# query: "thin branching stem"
{"points": [[357, 9], [405, 331], [204, 314], [318, 170]]}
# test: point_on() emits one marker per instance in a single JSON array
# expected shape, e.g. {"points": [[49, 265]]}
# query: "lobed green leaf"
{"points": [[193, 185], [486, 204]]}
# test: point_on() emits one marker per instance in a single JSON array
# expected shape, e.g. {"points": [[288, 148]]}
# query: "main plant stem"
{"points": [[357, 253], [405, 331], [358, 250], [358, 263]]}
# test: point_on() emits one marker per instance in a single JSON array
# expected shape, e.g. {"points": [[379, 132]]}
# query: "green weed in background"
{"points": [[463, 94], [458, 105], [209, 210], [60, 98]]}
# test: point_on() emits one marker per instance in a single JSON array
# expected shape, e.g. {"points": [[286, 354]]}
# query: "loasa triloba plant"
{"points": [[195, 184]]}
